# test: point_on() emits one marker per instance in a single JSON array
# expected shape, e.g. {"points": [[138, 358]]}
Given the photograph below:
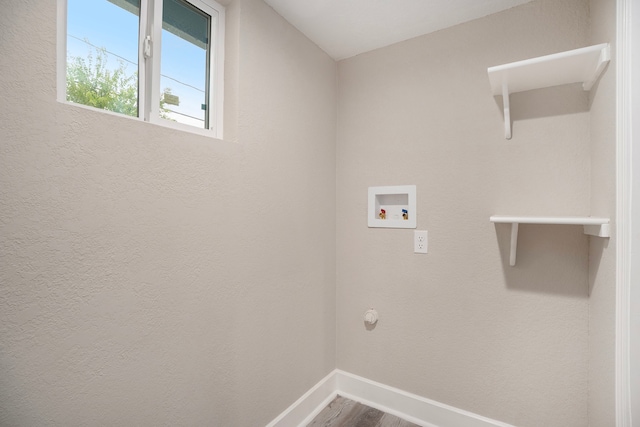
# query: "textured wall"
{"points": [[154, 277], [459, 325], [602, 266]]}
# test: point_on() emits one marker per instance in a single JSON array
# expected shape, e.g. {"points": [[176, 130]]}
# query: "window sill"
{"points": [[160, 123]]}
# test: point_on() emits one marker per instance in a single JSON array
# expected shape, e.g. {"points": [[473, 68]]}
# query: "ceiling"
{"points": [[344, 28]]}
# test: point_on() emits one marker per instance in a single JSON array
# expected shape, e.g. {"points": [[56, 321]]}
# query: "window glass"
{"points": [[184, 66], [117, 56], [102, 54]]}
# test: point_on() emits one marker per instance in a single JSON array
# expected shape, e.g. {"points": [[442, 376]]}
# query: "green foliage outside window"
{"points": [[91, 82]]}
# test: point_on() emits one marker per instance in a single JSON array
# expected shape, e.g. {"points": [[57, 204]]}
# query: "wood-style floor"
{"points": [[342, 412]]}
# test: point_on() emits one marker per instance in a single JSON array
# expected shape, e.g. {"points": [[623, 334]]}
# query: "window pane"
{"points": [[102, 54], [184, 67]]}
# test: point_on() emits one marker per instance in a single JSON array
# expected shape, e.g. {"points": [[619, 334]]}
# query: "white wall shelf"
{"points": [[575, 66], [593, 226]]}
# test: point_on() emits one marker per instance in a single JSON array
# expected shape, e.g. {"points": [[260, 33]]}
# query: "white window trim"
{"points": [[149, 100]]}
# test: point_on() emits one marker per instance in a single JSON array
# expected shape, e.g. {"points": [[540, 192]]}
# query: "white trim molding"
{"points": [[303, 410], [634, 228], [408, 406], [624, 181]]}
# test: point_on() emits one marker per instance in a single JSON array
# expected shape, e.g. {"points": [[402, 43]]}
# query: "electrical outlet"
{"points": [[420, 241]]}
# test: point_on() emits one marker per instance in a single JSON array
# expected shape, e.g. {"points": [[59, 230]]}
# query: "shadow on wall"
{"points": [[551, 259], [597, 249], [546, 102]]}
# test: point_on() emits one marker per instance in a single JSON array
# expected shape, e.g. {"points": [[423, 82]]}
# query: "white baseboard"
{"points": [[411, 407], [303, 410]]}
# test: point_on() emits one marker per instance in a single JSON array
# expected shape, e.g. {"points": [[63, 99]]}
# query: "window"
{"points": [[159, 60]]}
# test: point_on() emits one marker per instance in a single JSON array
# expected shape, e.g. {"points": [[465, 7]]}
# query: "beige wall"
{"points": [[459, 325], [154, 277], [602, 279]]}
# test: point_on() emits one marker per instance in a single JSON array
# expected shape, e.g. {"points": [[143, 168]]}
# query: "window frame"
{"points": [[149, 68]]}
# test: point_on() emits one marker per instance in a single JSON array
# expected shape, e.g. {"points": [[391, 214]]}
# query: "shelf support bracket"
{"points": [[514, 244], [603, 60], [599, 230], [507, 111]]}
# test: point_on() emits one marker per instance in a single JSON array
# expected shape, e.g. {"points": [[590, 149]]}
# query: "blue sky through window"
{"points": [[105, 25]]}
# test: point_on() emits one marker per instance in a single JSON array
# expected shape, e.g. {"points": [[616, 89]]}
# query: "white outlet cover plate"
{"points": [[420, 241]]}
